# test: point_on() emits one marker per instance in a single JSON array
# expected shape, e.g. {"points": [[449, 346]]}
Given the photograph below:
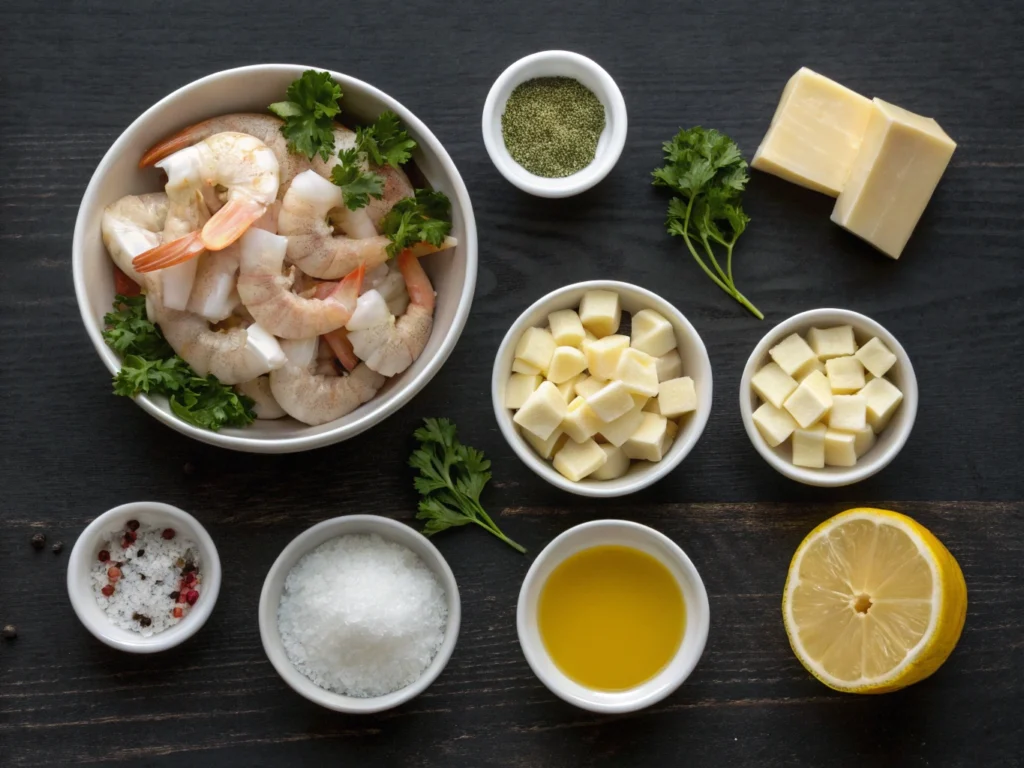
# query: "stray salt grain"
{"points": [[362, 616]]}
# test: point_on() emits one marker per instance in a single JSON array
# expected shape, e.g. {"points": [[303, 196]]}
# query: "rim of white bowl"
{"points": [[80, 588], [874, 460], [310, 539], [689, 434], [687, 656], [547, 64], [409, 388]]}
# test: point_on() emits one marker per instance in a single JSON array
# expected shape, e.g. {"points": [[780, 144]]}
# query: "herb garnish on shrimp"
{"points": [[309, 114]]}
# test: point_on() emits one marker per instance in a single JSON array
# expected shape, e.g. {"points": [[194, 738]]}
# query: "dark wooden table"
{"points": [[74, 74]]}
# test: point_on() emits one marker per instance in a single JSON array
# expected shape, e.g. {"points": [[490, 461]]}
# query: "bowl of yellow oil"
{"points": [[612, 616]]}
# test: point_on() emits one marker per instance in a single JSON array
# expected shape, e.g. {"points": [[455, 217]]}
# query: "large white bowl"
{"points": [[252, 88]]}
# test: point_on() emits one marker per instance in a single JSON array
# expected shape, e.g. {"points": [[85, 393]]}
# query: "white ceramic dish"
{"points": [[696, 364], [889, 442], [87, 547], [273, 586], [556, 64], [629, 534], [452, 272]]}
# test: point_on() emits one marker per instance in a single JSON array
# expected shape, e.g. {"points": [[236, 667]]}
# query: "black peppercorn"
{"points": [[38, 540], [58, 547], [133, 525], [10, 631], [140, 553]]}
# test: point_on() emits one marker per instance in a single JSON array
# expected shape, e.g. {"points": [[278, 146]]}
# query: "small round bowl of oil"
{"points": [[612, 616]]}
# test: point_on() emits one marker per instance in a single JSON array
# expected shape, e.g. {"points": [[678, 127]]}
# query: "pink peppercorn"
{"points": [[104, 555], [178, 613], [168, 533], [191, 597], [107, 591], [113, 573]]}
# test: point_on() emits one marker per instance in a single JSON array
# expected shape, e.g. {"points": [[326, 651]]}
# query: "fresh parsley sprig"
{"points": [[451, 478], [424, 218], [357, 185], [705, 170], [308, 114], [385, 142]]}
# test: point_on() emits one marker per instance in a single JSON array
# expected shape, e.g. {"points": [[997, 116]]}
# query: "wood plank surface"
{"points": [[74, 74]]}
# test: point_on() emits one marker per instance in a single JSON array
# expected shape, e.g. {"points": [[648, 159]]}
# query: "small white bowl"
{"points": [[628, 534], [270, 598], [80, 584], [887, 445], [556, 64], [696, 364]]}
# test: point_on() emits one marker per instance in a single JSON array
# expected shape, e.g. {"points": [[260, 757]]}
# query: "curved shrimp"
{"points": [[264, 404], [186, 213], [131, 226], [396, 187], [213, 290], [391, 347], [267, 294], [317, 399]]}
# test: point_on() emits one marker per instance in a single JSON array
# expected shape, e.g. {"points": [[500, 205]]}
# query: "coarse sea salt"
{"points": [[362, 616]]}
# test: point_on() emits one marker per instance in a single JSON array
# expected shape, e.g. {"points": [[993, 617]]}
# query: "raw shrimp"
{"points": [[391, 347], [315, 399], [186, 213], [132, 226], [213, 292], [264, 404], [396, 187], [266, 292]]}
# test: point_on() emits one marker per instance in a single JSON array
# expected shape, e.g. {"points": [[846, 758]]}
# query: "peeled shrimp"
{"points": [[186, 213], [266, 292], [213, 292], [132, 226], [264, 404], [315, 399], [390, 347]]}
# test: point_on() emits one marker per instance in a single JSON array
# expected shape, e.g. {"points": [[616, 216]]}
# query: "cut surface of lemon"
{"points": [[873, 602]]}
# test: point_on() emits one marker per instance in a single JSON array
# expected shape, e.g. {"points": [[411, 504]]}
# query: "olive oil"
{"points": [[611, 617]]}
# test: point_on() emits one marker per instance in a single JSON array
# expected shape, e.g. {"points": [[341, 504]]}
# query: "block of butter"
{"points": [[899, 164], [815, 134]]}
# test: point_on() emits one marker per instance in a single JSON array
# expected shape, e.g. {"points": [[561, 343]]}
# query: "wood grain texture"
{"points": [[74, 74]]}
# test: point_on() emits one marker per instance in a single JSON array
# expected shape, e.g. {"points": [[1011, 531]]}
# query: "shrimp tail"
{"points": [[170, 253], [230, 223], [347, 291], [186, 137], [421, 292], [339, 343]]}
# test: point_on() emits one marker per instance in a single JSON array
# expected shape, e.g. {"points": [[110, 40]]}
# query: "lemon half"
{"points": [[873, 602]]}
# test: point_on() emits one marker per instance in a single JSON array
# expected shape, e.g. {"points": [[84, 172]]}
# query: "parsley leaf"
{"points": [[129, 331], [451, 478], [357, 186], [424, 218], [706, 172], [309, 114], [385, 142]]}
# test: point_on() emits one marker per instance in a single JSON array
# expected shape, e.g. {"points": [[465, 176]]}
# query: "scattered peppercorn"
{"points": [[177, 612], [189, 468], [114, 573], [104, 555], [145, 621], [174, 595], [168, 533], [10, 631], [140, 553], [58, 547], [38, 540], [189, 579], [108, 590], [191, 597], [133, 525], [142, 576], [189, 567], [131, 535]]}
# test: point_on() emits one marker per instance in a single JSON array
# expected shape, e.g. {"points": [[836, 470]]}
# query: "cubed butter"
{"points": [[521, 366], [638, 371], [535, 347], [774, 424], [810, 400], [566, 328], [876, 357], [863, 439], [773, 385], [519, 387], [611, 401], [580, 422], [600, 312], [648, 441], [615, 466], [652, 333], [832, 342], [576, 461], [810, 367], [792, 353], [543, 411], [621, 429], [883, 398], [652, 406], [849, 413], [670, 366], [845, 375], [899, 164], [603, 354], [809, 446], [588, 385], [568, 388], [546, 448], [677, 397], [671, 430], [840, 448], [566, 363], [815, 133]]}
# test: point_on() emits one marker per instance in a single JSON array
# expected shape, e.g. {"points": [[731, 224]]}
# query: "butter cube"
{"points": [[810, 400], [845, 375], [521, 366], [566, 363], [792, 353], [546, 448], [671, 430], [611, 401], [815, 133], [566, 328], [810, 367], [883, 398], [588, 336], [576, 461], [535, 347], [617, 432], [543, 411], [670, 366], [648, 441], [588, 385], [600, 312], [615, 466], [638, 371], [580, 422], [519, 387], [603, 355], [876, 357], [772, 384], [832, 342], [774, 424], [652, 406], [849, 413], [652, 333], [676, 397], [899, 164], [863, 439], [568, 388], [809, 446], [840, 448]]}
